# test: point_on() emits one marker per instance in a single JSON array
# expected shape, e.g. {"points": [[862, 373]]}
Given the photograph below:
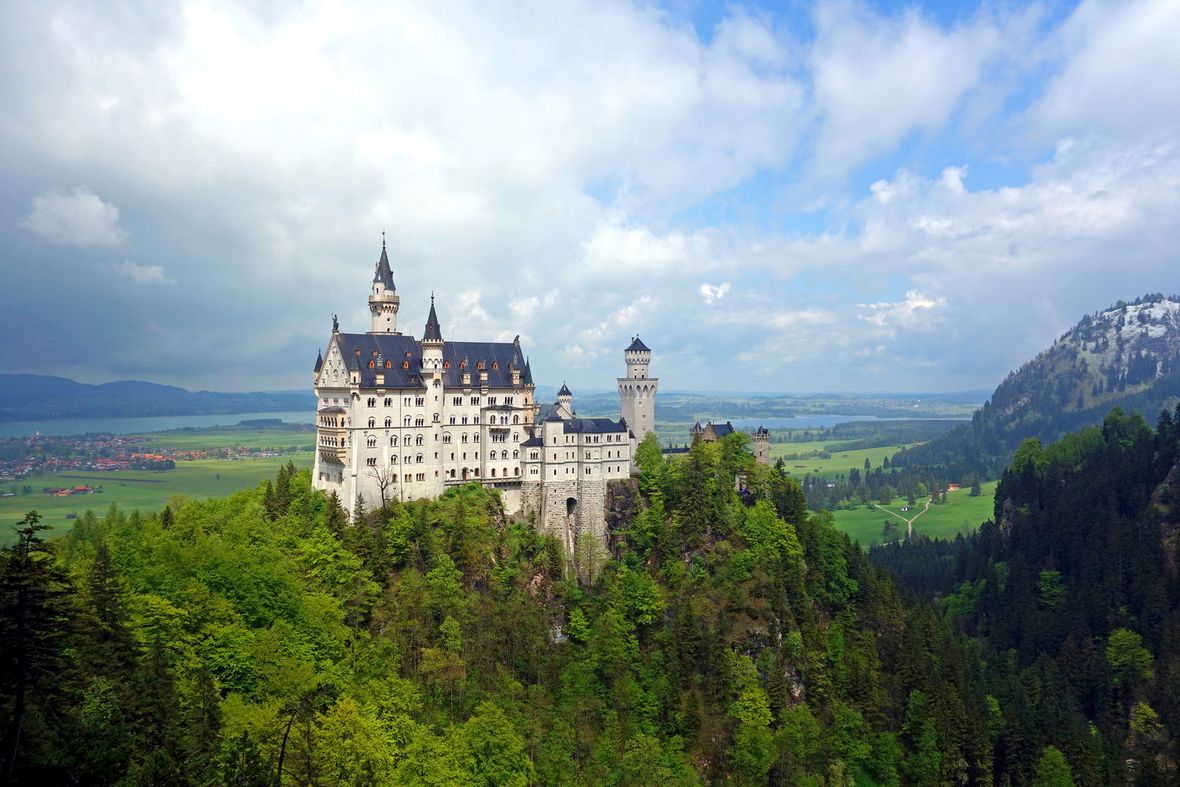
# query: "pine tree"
{"points": [[34, 595]]}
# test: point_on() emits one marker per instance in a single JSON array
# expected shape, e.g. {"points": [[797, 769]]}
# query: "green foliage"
{"points": [[1129, 661], [1053, 770]]}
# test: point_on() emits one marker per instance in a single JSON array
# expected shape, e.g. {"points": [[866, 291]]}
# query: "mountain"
{"points": [[1127, 356], [26, 397]]}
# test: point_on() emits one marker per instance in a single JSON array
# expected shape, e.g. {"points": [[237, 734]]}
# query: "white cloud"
{"points": [[140, 274], [915, 309], [78, 218], [711, 294]]}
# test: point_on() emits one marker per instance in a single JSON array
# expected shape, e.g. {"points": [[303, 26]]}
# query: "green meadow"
{"points": [[136, 489], [839, 462], [961, 513], [214, 438]]}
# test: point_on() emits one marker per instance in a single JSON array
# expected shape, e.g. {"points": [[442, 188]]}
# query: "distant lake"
{"points": [[149, 423]]}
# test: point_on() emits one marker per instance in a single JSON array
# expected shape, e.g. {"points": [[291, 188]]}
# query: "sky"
{"points": [[789, 197]]}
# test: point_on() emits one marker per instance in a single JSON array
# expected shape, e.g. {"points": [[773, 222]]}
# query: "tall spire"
{"points": [[433, 332], [384, 273]]}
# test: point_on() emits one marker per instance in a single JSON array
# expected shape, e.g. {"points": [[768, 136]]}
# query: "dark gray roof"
{"points": [[433, 332], [497, 358], [319, 360], [332, 410], [548, 412], [761, 430], [384, 274], [638, 345], [564, 391], [592, 425], [721, 430], [533, 441]]}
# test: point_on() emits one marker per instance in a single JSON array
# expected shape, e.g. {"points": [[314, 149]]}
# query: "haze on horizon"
{"points": [[842, 196]]}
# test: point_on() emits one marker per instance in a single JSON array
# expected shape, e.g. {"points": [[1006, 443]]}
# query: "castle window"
{"points": [[503, 454], [475, 437], [516, 471], [465, 420], [406, 421], [389, 401], [491, 401], [418, 440], [371, 442], [495, 365], [393, 441], [419, 459], [452, 473], [446, 439], [388, 423], [371, 461], [421, 476], [463, 439], [372, 364], [479, 365], [420, 401], [475, 400], [419, 421], [371, 401], [388, 364], [437, 418], [507, 400], [475, 419], [457, 401], [452, 420], [493, 472], [405, 364], [491, 455], [372, 422], [515, 437], [393, 459], [516, 454], [516, 419]]}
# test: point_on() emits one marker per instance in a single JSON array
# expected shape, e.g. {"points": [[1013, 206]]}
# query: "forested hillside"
{"points": [[1126, 356], [260, 639], [1073, 594]]}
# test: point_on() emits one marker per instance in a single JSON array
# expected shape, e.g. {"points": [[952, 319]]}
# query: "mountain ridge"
{"points": [[1127, 356], [35, 396]]}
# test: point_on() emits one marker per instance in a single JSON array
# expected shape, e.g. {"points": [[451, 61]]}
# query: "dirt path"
{"points": [[909, 523]]}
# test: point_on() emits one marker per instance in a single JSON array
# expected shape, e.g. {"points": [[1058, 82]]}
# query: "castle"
{"points": [[401, 418]]}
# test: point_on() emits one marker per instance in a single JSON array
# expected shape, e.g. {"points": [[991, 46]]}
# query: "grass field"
{"points": [[142, 489], [961, 513], [839, 464], [229, 436]]}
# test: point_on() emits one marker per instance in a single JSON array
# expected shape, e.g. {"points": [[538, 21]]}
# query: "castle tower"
{"points": [[762, 445], [565, 400], [637, 391], [432, 342], [383, 300]]}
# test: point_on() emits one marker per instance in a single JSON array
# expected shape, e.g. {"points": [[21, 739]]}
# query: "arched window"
{"points": [[418, 459], [516, 454], [463, 439], [493, 472], [452, 420], [388, 422], [371, 442], [393, 459], [418, 440], [406, 421], [372, 401], [503, 454], [491, 454], [388, 399], [464, 420], [419, 421], [516, 437], [372, 422], [437, 418], [447, 439], [516, 419], [476, 437]]}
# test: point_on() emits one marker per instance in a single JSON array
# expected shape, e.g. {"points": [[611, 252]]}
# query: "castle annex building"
{"points": [[402, 418]]}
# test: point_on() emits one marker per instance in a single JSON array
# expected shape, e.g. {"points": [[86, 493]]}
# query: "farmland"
{"points": [[960, 513]]}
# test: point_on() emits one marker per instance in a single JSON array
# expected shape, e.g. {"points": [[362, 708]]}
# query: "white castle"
{"points": [[400, 418]]}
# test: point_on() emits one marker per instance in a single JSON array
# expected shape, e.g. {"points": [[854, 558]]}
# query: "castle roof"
{"points": [[319, 360], [359, 348], [564, 391], [548, 412], [384, 273], [721, 430], [533, 442], [592, 425], [433, 332], [638, 345], [761, 430]]}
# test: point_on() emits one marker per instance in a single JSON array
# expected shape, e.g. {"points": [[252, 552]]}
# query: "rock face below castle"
{"points": [[402, 418]]}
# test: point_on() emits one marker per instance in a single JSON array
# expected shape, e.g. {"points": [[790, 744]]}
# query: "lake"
{"points": [[135, 425]]}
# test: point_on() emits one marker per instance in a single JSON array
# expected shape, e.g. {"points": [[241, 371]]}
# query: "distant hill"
{"points": [[1126, 356], [27, 397]]}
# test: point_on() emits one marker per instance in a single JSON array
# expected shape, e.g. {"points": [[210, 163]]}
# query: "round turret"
{"points": [[383, 298]]}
